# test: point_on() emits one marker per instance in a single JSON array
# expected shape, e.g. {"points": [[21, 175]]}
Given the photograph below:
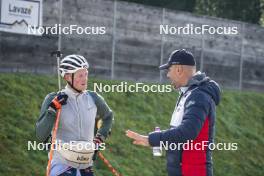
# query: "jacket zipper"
{"points": [[79, 118]]}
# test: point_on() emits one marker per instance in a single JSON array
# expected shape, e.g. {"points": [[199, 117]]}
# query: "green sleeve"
{"points": [[104, 113], [46, 119]]}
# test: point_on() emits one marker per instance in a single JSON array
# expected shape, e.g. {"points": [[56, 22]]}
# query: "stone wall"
{"points": [[132, 47]]}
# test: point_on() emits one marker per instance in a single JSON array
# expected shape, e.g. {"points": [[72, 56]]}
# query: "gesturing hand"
{"points": [[138, 139]]}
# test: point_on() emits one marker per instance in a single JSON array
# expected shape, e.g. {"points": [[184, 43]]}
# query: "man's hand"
{"points": [[60, 99], [138, 139], [98, 139]]}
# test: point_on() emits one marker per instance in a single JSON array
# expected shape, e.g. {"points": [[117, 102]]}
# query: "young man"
{"points": [[192, 119], [79, 111]]}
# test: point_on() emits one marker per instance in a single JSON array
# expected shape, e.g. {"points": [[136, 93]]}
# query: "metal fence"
{"points": [[133, 48]]}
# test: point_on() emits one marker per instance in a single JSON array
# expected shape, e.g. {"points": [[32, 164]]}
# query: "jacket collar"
{"points": [[183, 89], [71, 93]]}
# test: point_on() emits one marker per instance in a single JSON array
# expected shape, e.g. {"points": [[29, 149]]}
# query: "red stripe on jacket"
{"points": [[194, 161]]}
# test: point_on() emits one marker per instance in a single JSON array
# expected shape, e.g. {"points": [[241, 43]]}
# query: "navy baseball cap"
{"points": [[179, 57]]}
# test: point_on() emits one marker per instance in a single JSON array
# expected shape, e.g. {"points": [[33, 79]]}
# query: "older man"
{"points": [[192, 122]]}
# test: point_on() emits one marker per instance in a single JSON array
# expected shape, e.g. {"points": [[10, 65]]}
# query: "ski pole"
{"points": [[54, 133], [109, 166], [58, 56]]}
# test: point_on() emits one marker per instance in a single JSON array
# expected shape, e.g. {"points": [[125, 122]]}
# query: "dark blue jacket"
{"points": [[193, 119]]}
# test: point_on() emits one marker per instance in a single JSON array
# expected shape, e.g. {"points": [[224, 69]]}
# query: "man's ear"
{"points": [[67, 77], [179, 69]]}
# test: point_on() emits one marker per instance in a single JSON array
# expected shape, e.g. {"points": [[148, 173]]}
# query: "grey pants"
{"points": [[58, 169]]}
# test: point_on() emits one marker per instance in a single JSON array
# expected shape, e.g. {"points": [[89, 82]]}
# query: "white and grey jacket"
{"points": [[77, 120]]}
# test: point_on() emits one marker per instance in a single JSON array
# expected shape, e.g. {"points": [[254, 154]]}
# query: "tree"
{"points": [[184, 5], [242, 10]]}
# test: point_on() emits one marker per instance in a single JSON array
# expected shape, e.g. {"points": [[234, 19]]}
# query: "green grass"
{"points": [[240, 118]]}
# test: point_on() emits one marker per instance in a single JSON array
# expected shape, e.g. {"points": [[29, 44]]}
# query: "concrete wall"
{"points": [[132, 47]]}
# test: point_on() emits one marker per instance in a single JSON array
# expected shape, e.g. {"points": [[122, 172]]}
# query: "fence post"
{"points": [[113, 43], [202, 55], [241, 58], [162, 43]]}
